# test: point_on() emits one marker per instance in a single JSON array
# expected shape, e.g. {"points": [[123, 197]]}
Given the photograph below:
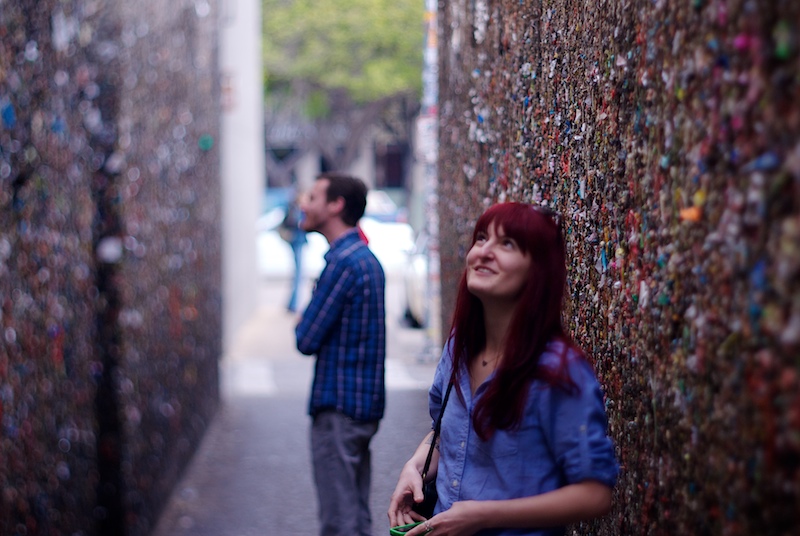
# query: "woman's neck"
{"points": [[496, 321]]}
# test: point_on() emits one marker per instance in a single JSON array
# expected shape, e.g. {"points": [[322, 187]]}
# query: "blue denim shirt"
{"points": [[562, 440]]}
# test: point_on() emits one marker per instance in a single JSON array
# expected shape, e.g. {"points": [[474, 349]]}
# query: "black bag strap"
{"points": [[436, 432]]}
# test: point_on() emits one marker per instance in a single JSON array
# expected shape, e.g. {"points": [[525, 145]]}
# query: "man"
{"points": [[344, 325]]}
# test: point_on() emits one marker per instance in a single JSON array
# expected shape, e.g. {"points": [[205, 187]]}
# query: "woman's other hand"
{"points": [[407, 493]]}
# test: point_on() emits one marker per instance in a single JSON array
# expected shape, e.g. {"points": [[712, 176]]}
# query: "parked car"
{"points": [[381, 207], [416, 283], [390, 242]]}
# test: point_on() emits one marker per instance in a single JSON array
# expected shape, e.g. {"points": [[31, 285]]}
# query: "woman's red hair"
{"points": [[536, 320]]}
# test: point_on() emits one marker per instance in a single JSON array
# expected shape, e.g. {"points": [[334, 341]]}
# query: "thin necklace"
{"points": [[485, 362]]}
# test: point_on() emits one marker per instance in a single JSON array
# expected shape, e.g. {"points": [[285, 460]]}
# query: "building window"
{"points": [[390, 164]]}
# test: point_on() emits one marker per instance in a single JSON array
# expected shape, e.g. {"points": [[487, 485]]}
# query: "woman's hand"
{"points": [[570, 504], [462, 519], [407, 492]]}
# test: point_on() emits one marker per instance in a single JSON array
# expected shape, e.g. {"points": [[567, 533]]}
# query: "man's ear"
{"points": [[337, 206]]}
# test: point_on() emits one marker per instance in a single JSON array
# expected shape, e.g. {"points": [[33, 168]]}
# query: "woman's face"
{"points": [[497, 269]]}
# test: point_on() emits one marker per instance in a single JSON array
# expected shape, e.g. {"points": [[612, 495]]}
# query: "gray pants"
{"points": [[341, 458]]}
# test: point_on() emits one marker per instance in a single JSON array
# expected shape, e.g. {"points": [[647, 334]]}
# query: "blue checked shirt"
{"points": [[562, 440], [345, 326]]}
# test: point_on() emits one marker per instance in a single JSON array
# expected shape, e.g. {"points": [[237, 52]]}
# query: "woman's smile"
{"points": [[484, 270]]}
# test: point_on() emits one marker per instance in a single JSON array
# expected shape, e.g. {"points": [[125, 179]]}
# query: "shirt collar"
{"points": [[344, 240]]}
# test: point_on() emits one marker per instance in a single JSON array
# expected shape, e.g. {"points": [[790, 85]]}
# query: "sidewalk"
{"points": [[257, 443]]}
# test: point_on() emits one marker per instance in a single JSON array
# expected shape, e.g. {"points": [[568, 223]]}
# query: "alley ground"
{"points": [[251, 474]]}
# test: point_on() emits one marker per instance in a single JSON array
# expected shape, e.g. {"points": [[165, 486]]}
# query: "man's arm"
{"points": [[325, 308]]}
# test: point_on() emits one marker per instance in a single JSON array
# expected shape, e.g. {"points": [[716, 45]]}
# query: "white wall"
{"points": [[242, 147]]}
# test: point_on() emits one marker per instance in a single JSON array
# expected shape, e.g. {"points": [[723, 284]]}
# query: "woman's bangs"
{"points": [[513, 218]]}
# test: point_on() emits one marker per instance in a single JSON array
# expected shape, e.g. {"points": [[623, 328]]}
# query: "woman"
{"points": [[523, 446]]}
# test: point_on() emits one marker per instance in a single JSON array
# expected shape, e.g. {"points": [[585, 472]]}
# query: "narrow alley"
{"points": [[252, 473]]}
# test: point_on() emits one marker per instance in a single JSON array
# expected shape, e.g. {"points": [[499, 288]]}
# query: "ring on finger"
{"points": [[428, 527]]}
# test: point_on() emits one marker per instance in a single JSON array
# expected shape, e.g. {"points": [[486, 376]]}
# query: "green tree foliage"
{"points": [[370, 49]]}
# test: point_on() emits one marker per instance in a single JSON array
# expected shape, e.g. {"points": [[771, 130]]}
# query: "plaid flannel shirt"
{"points": [[344, 325]]}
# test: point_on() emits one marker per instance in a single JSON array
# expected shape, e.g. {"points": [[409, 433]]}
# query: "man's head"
{"points": [[334, 204]]}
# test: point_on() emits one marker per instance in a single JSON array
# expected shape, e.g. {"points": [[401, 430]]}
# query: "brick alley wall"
{"points": [[109, 258], [667, 134]]}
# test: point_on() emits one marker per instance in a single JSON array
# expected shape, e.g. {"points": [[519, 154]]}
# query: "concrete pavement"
{"points": [[251, 474]]}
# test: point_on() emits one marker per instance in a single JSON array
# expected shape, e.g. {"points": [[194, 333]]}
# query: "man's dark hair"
{"points": [[352, 190]]}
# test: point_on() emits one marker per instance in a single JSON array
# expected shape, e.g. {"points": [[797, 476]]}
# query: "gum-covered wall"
{"points": [[110, 328], [667, 135]]}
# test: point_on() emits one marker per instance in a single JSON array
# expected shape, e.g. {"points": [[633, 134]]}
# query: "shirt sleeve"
{"points": [[575, 426], [325, 308], [441, 378]]}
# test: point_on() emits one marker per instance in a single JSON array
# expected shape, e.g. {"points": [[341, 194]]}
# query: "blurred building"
{"points": [[373, 142]]}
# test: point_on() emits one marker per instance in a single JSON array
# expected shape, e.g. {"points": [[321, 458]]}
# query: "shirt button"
{"points": [[455, 483], [463, 443]]}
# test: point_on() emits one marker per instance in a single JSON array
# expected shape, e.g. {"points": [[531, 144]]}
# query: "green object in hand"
{"points": [[402, 529]]}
